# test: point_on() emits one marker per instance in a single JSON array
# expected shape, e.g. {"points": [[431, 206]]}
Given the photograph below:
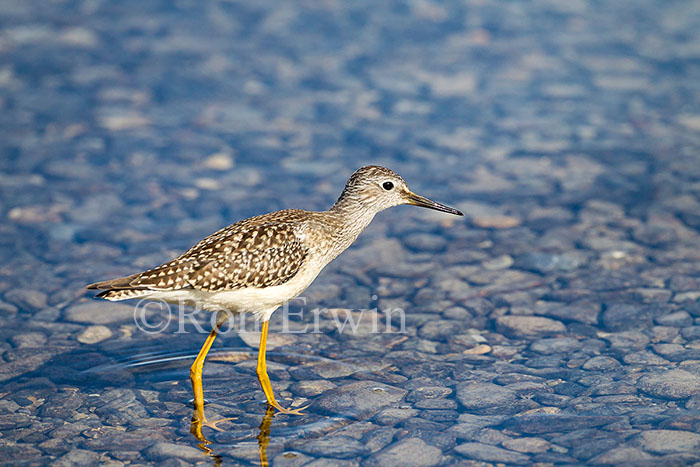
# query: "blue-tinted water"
{"points": [[558, 322]]}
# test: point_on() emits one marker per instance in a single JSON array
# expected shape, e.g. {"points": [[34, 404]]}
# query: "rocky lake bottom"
{"points": [[557, 323]]}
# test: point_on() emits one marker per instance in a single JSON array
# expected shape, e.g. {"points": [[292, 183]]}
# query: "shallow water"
{"points": [[558, 322]]}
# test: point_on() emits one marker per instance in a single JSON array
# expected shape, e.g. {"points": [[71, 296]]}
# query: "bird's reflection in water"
{"points": [[263, 437]]}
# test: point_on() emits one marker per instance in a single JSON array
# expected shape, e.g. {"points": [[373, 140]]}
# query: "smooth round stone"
{"points": [[29, 340], [407, 452], [601, 363], [27, 299], [359, 399], [312, 387], [678, 319], [425, 242], [555, 345], [428, 392], [164, 450], [644, 357], [672, 384], [476, 396], [528, 326], [546, 262], [100, 312], [622, 456], [488, 453], [94, 334], [341, 447], [391, 416], [669, 441], [78, 457], [436, 404], [527, 445]]}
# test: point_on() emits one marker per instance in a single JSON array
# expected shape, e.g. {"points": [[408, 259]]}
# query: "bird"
{"points": [[257, 264]]}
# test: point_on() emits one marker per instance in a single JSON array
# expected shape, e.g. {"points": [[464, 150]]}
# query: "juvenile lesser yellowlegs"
{"points": [[258, 264]]}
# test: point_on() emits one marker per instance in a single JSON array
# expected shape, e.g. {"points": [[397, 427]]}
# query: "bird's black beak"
{"points": [[417, 200]]}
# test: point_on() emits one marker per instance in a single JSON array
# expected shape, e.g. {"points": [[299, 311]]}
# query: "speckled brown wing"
{"points": [[271, 255], [263, 251]]}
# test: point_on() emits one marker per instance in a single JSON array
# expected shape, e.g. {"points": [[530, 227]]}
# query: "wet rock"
{"points": [[108, 438], [545, 263], [26, 360], [488, 453], [94, 334], [644, 358], [433, 433], [551, 400], [543, 423], [312, 388], [100, 312], [626, 340], [583, 312], [29, 340], [668, 441], [499, 262], [528, 326], [425, 242], [666, 334], [341, 447], [439, 415], [480, 396], [7, 308], [678, 319], [601, 363], [291, 459], [163, 451], [274, 340], [491, 436], [401, 270], [19, 453], [27, 299], [438, 329], [361, 399], [627, 317], [329, 462], [428, 392], [527, 445], [379, 438], [495, 221], [672, 384], [676, 352], [622, 456], [555, 345], [436, 404], [392, 416], [119, 406], [63, 404], [407, 452], [78, 457]]}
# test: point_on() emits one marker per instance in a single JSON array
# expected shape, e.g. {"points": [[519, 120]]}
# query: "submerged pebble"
{"points": [[558, 322]]}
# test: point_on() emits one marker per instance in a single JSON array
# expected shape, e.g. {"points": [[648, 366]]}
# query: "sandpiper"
{"points": [[259, 263]]}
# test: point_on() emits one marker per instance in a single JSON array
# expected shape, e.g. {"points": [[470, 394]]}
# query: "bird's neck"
{"points": [[351, 218]]}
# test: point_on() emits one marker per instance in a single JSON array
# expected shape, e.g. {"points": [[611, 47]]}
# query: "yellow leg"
{"points": [[198, 418], [261, 370], [196, 375]]}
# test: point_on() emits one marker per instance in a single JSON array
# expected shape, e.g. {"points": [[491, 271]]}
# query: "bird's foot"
{"points": [[281, 409], [197, 425]]}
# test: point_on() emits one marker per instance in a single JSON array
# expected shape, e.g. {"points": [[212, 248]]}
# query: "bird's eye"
{"points": [[387, 186]]}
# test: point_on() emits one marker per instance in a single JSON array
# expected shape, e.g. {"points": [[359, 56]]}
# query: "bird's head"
{"points": [[377, 188]]}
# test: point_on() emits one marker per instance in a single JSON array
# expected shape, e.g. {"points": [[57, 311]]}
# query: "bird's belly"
{"points": [[260, 301]]}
